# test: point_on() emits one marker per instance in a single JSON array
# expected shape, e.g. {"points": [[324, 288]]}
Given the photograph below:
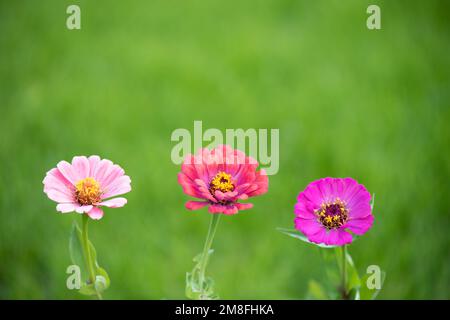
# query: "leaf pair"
{"points": [[80, 255], [199, 287]]}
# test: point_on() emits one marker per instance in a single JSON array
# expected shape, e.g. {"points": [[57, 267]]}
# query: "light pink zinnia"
{"points": [[328, 208], [221, 177], [87, 184]]}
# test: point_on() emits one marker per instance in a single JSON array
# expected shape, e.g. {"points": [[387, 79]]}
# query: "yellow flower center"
{"points": [[332, 215], [222, 181], [87, 191]]}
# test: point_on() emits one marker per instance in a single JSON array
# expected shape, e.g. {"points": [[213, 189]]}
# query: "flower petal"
{"points": [[68, 172], [195, 205], [359, 226], [118, 187], [95, 213], [244, 206], [114, 203], [67, 207], [80, 166], [83, 209], [93, 162], [308, 227], [344, 237]]}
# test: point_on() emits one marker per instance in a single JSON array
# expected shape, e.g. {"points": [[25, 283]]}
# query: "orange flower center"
{"points": [[87, 191], [332, 215], [222, 182]]}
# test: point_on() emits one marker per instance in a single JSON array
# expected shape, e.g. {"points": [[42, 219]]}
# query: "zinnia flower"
{"points": [[328, 208], [86, 185], [221, 177]]}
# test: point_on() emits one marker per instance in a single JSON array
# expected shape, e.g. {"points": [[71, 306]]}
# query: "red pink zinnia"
{"points": [[221, 178]]}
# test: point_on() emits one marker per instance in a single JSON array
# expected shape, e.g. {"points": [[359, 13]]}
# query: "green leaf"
{"points": [[296, 234], [372, 203], [370, 294], [353, 279], [195, 288], [76, 250], [78, 255]]}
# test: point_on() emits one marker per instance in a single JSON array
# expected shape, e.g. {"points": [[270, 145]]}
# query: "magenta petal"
{"points": [[308, 227], [318, 237], [344, 237], [302, 212], [332, 238], [354, 198], [359, 226]]}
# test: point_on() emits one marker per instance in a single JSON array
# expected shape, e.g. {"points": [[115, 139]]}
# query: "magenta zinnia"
{"points": [[330, 208], [221, 178], [87, 184]]}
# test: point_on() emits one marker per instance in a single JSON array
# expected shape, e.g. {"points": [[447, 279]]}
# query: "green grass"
{"points": [[372, 105]]}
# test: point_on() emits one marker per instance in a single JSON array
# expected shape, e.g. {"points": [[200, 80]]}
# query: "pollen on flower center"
{"points": [[332, 215], [222, 182], [87, 191]]}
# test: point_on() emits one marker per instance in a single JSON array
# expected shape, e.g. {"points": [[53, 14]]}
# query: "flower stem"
{"points": [[209, 239], [87, 253], [344, 272]]}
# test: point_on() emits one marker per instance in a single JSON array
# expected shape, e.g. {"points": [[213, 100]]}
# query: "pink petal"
{"points": [[80, 166], [230, 209], [189, 187], [114, 203], [59, 196], [93, 162], [118, 187], [83, 209], [102, 170], [67, 207], [95, 213], [262, 183], [68, 172], [244, 206], [227, 196], [114, 173], [216, 208], [195, 205], [55, 180]]}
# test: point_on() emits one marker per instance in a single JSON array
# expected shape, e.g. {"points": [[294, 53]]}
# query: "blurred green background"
{"points": [[373, 105]]}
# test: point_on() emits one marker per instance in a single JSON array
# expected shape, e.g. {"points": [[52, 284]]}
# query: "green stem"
{"points": [[87, 253], [209, 239], [344, 272]]}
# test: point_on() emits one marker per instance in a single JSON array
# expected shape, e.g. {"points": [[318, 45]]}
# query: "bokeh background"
{"points": [[373, 105]]}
